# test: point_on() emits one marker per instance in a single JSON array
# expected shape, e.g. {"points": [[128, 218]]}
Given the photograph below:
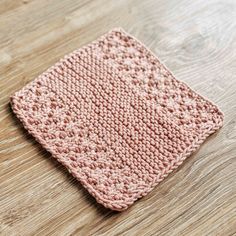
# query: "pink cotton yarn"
{"points": [[115, 117]]}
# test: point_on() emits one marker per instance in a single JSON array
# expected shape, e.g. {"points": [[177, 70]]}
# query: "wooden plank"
{"points": [[196, 40]]}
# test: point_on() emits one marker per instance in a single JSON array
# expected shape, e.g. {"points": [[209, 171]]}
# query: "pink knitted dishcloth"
{"points": [[115, 117]]}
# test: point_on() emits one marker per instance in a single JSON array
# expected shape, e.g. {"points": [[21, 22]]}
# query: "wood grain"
{"points": [[196, 40]]}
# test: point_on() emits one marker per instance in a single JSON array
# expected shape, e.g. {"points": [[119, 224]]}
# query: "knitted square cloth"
{"points": [[115, 117]]}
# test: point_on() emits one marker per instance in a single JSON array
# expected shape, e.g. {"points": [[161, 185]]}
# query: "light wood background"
{"points": [[196, 40]]}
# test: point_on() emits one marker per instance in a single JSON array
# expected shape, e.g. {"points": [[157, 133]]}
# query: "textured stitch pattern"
{"points": [[115, 117]]}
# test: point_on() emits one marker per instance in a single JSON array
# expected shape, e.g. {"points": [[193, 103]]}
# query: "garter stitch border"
{"points": [[115, 117]]}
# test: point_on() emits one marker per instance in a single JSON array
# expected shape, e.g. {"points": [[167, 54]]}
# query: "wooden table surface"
{"points": [[196, 40]]}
